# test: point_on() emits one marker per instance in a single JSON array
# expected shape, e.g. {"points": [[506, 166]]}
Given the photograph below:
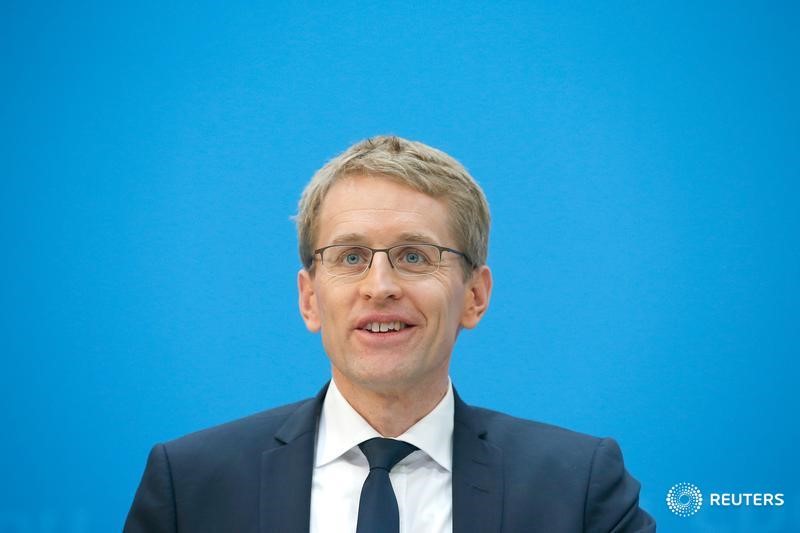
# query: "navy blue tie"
{"points": [[377, 509]]}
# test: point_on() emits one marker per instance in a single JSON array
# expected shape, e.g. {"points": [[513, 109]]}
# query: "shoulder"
{"points": [[255, 433], [209, 480], [576, 476], [544, 451], [529, 438]]}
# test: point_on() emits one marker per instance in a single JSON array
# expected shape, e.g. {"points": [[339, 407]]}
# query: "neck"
{"points": [[392, 412]]}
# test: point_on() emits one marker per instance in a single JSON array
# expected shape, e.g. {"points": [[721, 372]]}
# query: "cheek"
{"points": [[442, 302], [332, 309]]}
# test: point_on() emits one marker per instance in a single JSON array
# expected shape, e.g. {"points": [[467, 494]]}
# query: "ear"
{"points": [[308, 300], [476, 299]]}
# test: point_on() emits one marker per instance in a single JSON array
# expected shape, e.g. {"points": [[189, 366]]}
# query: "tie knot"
{"points": [[385, 453]]}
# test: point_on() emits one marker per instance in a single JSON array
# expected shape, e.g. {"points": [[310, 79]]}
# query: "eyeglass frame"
{"points": [[373, 251]]}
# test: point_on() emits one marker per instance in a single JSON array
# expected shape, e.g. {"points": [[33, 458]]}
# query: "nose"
{"points": [[380, 281]]}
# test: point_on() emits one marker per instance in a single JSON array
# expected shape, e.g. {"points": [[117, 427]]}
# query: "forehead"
{"points": [[381, 211]]}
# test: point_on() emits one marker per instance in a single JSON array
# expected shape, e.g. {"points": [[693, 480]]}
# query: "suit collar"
{"points": [[286, 472], [477, 474], [303, 419]]}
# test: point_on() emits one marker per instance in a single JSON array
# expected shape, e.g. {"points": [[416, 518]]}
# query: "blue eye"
{"points": [[413, 258], [352, 256]]}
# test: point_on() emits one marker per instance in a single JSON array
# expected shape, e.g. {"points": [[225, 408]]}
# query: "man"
{"points": [[393, 240]]}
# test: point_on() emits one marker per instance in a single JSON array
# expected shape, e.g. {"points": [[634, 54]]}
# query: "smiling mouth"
{"points": [[385, 327]]}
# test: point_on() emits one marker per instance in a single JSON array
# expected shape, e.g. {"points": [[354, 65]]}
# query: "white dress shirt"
{"points": [[422, 481]]}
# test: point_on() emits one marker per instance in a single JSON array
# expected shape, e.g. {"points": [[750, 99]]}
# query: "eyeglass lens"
{"points": [[412, 259]]}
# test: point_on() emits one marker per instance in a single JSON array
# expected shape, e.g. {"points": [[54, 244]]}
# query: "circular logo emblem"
{"points": [[684, 499]]}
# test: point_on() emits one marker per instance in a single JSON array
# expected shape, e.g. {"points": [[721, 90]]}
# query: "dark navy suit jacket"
{"points": [[509, 475]]}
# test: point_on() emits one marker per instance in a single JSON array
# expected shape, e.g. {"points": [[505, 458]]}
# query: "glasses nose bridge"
{"points": [[374, 252]]}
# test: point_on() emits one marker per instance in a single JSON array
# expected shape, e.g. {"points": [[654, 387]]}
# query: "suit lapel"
{"points": [[286, 472], [477, 475], [287, 469]]}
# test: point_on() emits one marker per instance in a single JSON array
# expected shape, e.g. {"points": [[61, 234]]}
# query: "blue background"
{"points": [[641, 161]]}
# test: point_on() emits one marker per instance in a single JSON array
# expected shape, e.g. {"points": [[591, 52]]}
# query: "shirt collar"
{"points": [[341, 429]]}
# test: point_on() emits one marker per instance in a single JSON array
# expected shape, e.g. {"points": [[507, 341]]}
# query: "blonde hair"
{"points": [[411, 163]]}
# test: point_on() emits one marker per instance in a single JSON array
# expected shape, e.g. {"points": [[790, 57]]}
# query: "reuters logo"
{"points": [[684, 499]]}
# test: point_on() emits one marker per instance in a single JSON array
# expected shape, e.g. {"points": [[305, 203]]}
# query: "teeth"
{"points": [[383, 327]]}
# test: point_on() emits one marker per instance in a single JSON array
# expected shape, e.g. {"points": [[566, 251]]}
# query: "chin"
{"points": [[381, 380]]}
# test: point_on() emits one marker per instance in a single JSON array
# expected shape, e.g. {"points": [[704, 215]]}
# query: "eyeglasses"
{"points": [[407, 259]]}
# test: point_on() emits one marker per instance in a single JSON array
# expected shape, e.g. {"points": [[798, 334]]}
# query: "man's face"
{"points": [[380, 213]]}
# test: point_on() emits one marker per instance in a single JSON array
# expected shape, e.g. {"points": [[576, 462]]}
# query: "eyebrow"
{"points": [[349, 238], [419, 238], [360, 238]]}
